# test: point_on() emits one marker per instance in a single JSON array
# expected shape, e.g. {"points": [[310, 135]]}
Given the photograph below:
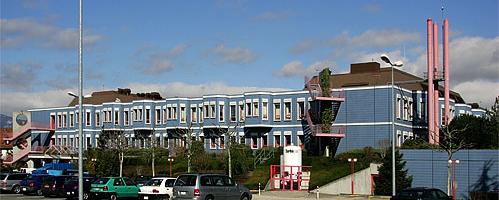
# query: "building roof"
{"points": [[371, 74], [120, 95]]}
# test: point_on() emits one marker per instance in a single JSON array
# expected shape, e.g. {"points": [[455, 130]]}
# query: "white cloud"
{"points": [[478, 91], [376, 38], [303, 46], [17, 101], [20, 32], [19, 76], [225, 55], [153, 61], [296, 69]]}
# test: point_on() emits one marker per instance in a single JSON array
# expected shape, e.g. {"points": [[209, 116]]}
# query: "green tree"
{"points": [[325, 84], [384, 183], [475, 132]]}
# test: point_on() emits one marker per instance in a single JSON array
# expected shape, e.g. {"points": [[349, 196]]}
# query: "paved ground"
{"points": [[292, 195], [4, 196]]}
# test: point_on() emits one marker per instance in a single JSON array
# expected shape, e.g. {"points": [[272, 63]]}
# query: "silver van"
{"points": [[10, 182], [209, 187]]}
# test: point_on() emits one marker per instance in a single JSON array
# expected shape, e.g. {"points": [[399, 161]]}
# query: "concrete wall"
{"points": [[362, 183], [477, 169]]}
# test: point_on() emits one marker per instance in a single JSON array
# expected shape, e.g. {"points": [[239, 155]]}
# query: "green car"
{"points": [[113, 188]]}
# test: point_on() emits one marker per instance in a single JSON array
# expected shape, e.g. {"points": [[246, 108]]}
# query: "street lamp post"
{"points": [[170, 159], [352, 170], [453, 168], [385, 58]]}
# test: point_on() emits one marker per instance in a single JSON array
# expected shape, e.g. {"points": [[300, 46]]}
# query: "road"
{"points": [[5, 196]]}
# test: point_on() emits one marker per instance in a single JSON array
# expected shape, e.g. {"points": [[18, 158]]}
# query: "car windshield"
{"points": [[101, 181], [154, 182], [186, 180]]}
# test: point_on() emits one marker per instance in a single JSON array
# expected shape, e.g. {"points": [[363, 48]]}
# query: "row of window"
{"points": [[197, 114], [214, 142]]}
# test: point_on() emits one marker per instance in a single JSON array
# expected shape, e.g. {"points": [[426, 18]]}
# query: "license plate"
{"points": [[146, 197], [183, 193]]}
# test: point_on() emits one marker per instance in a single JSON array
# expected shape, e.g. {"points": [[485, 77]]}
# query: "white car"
{"points": [[157, 188]]}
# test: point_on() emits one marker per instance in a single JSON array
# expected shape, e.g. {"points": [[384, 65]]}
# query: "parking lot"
{"points": [[5, 196]]}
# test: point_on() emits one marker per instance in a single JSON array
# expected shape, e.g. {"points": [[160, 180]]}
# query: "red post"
{"points": [[170, 159], [352, 170]]}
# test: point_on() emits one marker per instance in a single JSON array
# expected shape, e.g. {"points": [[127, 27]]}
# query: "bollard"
{"points": [[317, 193], [259, 193]]}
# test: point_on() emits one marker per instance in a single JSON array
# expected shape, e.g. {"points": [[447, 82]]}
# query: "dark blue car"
{"points": [[33, 184]]}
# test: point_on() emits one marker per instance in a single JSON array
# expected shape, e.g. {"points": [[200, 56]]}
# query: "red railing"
{"points": [[289, 177]]}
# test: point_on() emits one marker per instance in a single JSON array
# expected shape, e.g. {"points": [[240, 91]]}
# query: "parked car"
{"points": [[71, 187], [157, 188], [33, 184], [113, 188], [141, 180], [54, 185], [209, 187], [11, 182], [421, 193]]}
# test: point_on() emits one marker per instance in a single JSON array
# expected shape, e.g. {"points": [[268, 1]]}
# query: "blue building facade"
{"points": [[257, 119]]}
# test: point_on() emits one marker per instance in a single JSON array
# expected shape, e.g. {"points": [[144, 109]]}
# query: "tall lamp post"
{"points": [[352, 170], [170, 159], [453, 168], [80, 104], [385, 58]]}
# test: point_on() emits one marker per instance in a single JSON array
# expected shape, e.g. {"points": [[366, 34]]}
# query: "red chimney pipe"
{"points": [[429, 59], [446, 71], [436, 107]]}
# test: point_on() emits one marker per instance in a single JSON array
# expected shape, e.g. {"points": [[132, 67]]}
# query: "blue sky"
{"points": [[190, 48]]}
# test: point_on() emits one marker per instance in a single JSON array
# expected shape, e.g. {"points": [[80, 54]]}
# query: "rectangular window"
{"points": [[116, 117], [174, 112], [206, 113], [248, 109], [59, 120], [221, 113], [157, 115], [89, 143], [410, 110], [422, 109], [277, 141], [277, 111], [264, 141], [97, 119], [254, 142], [182, 115], [397, 107], [201, 114], [87, 118], [169, 109], [300, 111], [287, 110], [126, 117], [241, 140], [265, 110], [212, 111], [64, 120], [140, 116], [165, 115], [287, 140], [71, 119], [222, 142], [256, 111], [194, 115], [233, 113], [213, 143], [241, 112], [148, 116], [134, 114]]}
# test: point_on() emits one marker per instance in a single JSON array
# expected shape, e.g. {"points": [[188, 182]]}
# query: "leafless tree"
{"points": [[116, 140]]}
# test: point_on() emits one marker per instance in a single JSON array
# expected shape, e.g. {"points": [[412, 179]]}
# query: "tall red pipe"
{"points": [[436, 107], [446, 71], [429, 59]]}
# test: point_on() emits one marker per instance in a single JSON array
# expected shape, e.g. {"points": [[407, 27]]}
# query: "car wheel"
{"points": [[167, 197], [210, 198], [245, 197], [39, 192], [16, 189], [113, 197]]}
